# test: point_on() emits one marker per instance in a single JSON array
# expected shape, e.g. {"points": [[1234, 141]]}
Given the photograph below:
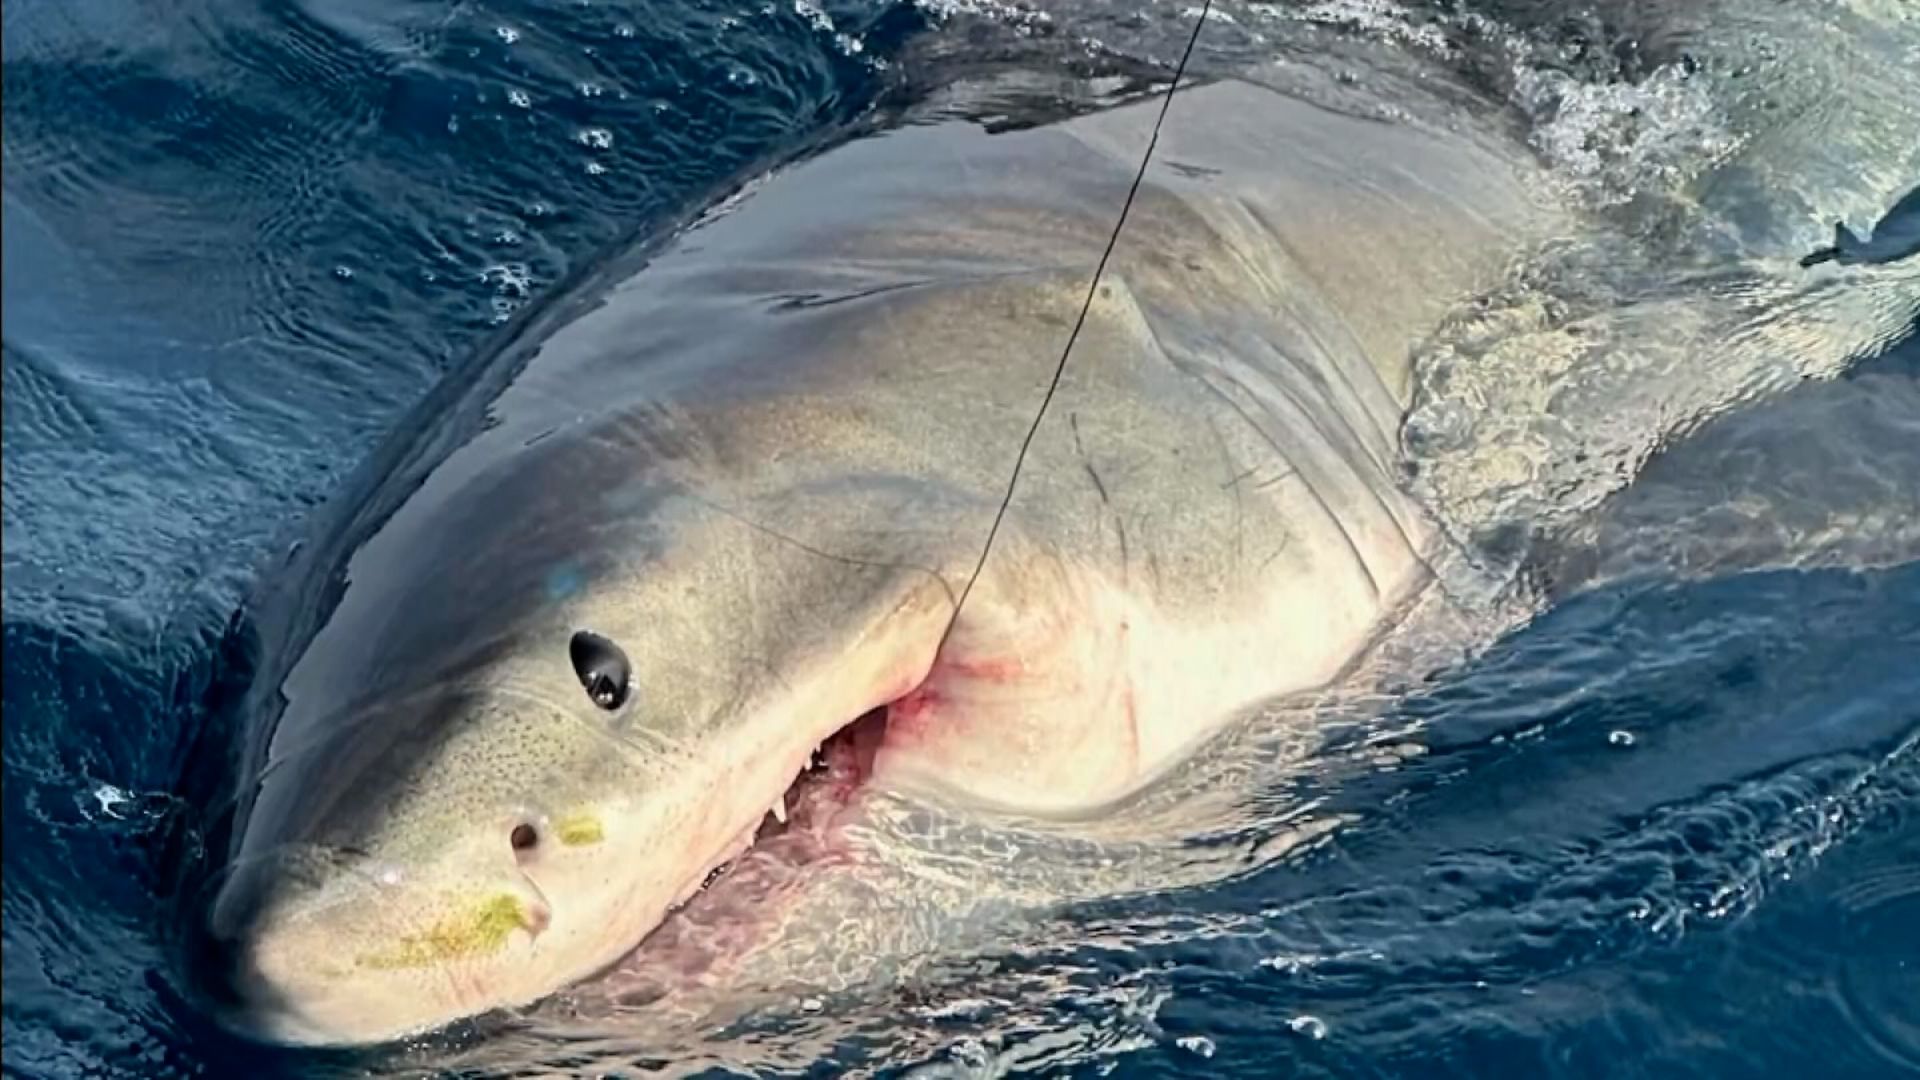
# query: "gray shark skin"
{"points": [[1896, 236], [598, 604]]}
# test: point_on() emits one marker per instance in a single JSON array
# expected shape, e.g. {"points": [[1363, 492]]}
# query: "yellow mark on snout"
{"points": [[580, 829], [483, 929]]}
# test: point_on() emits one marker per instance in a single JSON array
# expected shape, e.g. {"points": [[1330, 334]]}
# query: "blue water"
{"points": [[1671, 828]]}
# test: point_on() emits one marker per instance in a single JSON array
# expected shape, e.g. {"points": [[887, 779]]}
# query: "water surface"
{"points": [[1667, 827]]}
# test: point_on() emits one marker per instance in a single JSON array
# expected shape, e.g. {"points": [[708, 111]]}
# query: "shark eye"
{"points": [[602, 668]]}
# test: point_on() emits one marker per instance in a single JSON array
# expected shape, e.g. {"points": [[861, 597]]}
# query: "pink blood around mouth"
{"points": [[933, 700], [915, 708], [842, 764], [740, 901], [820, 798]]}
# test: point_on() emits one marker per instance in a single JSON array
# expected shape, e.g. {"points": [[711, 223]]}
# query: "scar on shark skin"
{"points": [[483, 930], [580, 830]]}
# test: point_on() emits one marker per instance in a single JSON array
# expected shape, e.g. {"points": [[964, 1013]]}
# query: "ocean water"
{"points": [[1664, 825]]}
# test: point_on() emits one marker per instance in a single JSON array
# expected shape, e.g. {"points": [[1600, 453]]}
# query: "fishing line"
{"points": [[1093, 286]]}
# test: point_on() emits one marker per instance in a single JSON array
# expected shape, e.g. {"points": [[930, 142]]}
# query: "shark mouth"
{"points": [[828, 785], [739, 904]]}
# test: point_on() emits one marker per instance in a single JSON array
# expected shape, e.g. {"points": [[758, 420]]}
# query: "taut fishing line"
{"points": [[1060, 368]]}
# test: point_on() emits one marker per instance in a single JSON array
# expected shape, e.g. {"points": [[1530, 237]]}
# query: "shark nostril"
{"points": [[536, 917], [525, 838]]}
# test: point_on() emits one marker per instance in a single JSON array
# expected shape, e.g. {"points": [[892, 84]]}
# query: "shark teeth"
{"points": [[816, 760]]}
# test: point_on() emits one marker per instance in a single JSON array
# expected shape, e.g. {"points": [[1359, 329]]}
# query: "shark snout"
{"points": [[370, 951]]}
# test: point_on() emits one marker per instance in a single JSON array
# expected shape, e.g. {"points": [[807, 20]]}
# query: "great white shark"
{"points": [[608, 598]]}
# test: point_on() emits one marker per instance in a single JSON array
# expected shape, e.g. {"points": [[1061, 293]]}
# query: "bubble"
{"points": [[972, 1052], [115, 803], [509, 279], [110, 799], [1618, 139], [1620, 738], [815, 16], [1311, 1027], [1196, 1044]]}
